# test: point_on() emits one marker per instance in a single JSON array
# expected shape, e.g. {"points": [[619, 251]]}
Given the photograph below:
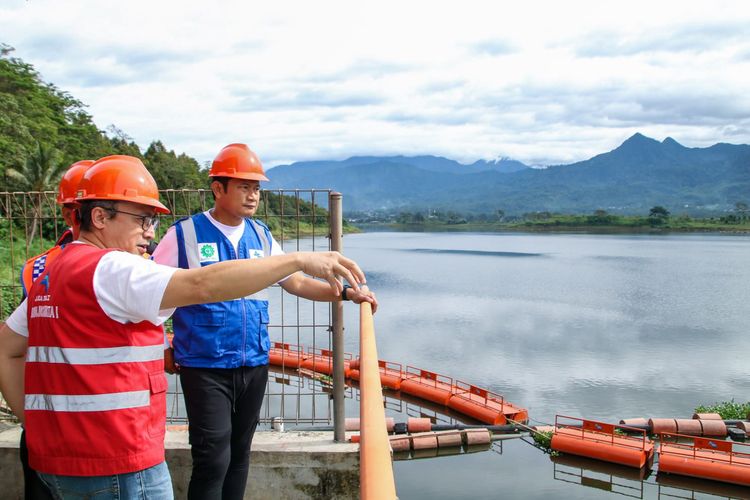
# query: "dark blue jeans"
{"points": [[153, 483], [223, 407]]}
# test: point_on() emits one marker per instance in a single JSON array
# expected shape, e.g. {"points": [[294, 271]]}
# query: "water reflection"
{"points": [[638, 483], [675, 486], [626, 481]]}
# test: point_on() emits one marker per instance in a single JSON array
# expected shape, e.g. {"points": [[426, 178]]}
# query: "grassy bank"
{"points": [[578, 223]]}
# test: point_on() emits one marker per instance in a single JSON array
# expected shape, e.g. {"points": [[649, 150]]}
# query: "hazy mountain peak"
{"points": [[669, 142], [638, 140]]}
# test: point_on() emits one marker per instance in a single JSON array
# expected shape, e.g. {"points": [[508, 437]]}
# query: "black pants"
{"points": [[33, 487], [223, 407]]}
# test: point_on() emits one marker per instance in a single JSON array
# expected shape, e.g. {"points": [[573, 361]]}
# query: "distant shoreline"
{"points": [[551, 228]]}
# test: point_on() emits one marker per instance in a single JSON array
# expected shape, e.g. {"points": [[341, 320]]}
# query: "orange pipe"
{"points": [[376, 469]]}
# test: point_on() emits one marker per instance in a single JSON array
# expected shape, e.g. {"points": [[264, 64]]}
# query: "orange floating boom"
{"points": [[705, 458], [376, 468], [598, 440], [480, 404]]}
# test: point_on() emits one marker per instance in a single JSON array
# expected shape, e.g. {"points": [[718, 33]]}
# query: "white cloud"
{"points": [[545, 82]]}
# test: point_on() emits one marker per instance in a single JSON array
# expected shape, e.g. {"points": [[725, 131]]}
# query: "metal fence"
{"points": [[31, 222]]}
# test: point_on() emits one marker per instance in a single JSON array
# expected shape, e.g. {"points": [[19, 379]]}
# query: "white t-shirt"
{"points": [[167, 253], [128, 288]]}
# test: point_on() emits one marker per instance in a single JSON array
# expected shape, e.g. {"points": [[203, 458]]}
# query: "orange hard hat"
{"points": [[120, 178], [66, 191], [237, 161]]}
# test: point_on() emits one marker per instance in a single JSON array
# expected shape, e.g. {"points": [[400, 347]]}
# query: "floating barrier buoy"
{"points": [[352, 424], [707, 416], [660, 425], [391, 374], [318, 360], [689, 427], [702, 424], [599, 440], [414, 424], [285, 355], [639, 422], [427, 385], [713, 428], [475, 402], [705, 458], [484, 405]]}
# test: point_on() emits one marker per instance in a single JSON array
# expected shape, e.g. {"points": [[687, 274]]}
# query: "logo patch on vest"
{"points": [[208, 252], [256, 254]]}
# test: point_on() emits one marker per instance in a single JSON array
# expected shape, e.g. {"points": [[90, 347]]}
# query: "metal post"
{"points": [[337, 234]]}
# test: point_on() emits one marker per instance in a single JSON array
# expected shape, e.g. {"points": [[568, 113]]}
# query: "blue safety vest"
{"points": [[221, 334]]}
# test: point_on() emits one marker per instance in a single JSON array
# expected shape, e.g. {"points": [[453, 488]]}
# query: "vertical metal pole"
{"points": [[337, 234]]}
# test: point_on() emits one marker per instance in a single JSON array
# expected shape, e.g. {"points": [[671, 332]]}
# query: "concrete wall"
{"points": [[289, 465]]}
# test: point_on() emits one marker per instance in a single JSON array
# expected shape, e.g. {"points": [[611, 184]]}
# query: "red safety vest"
{"points": [[95, 389], [34, 267]]}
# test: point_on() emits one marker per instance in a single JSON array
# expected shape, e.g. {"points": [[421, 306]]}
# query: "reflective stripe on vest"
{"points": [[94, 356], [193, 259], [89, 402]]}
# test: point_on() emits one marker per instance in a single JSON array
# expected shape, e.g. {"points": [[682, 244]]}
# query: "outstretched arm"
{"points": [[302, 286], [238, 278], [12, 358]]}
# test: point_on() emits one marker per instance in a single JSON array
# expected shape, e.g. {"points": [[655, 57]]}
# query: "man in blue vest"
{"points": [[222, 348]]}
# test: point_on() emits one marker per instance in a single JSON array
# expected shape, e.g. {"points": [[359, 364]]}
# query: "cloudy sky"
{"points": [[543, 82]]}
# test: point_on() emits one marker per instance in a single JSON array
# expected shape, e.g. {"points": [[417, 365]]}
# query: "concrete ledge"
{"points": [[289, 465]]}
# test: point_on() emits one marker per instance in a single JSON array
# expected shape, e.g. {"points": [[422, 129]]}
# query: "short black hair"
{"points": [[224, 181], [88, 206]]}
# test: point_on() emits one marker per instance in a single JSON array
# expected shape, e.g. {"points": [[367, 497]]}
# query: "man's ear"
{"points": [[98, 216], [217, 188]]}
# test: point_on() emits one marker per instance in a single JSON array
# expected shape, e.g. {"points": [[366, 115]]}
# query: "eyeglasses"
{"points": [[147, 221]]}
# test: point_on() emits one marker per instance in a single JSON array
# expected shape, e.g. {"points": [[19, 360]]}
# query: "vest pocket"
{"points": [[264, 341], [204, 340], [158, 407], [210, 318]]}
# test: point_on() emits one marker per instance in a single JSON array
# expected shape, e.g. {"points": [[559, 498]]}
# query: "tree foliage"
{"points": [[34, 113], [37, 116], [658, 211], [41, 171], [173, 171]]}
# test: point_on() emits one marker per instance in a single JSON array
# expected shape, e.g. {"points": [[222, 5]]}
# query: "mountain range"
{"points": [[639, 174]]}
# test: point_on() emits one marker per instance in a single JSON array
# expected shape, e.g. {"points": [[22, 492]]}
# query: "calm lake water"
{"points": [[594, 326]]}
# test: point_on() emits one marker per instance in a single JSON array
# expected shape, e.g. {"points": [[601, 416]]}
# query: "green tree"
{"points": [[658, 215], [600, 218], [41, 172], [172, 171], [658, 211]]}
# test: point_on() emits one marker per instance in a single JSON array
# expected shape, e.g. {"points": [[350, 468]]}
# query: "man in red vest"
{"points": [[81, 359], [31, 270]]}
